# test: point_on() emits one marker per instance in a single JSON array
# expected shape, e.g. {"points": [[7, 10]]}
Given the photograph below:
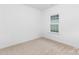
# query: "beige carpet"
{"points": [[41, 46]]}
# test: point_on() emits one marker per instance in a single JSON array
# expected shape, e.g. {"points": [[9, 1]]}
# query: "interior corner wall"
{"points": [[41, 23], [68, 24], [18, 23]]}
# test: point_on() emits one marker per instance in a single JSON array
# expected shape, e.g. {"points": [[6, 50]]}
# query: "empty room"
{"points": [[39, 29]]}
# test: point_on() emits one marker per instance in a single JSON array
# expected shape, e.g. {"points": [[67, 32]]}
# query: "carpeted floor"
{"points": [[41, 46]]}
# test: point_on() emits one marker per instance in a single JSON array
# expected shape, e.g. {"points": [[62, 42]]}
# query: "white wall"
{"points": [[41, 24], [68, 24], [18, 23]]}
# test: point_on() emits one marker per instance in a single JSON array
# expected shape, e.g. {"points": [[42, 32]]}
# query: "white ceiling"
{"points": [[41, 6]]}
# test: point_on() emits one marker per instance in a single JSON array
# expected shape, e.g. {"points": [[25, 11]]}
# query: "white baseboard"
{"points": [[36, 37], [61, 40], [18, 42]]}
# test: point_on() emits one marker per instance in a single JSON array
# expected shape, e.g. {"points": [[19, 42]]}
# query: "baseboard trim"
{"points": [[60, 42], [39, 38], [20, 42]]}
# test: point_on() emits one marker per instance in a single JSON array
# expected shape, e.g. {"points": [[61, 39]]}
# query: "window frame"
{"points": [[54, 24]]}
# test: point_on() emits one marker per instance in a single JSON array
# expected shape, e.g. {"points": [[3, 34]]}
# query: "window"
{"points": [[54, 23]]}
